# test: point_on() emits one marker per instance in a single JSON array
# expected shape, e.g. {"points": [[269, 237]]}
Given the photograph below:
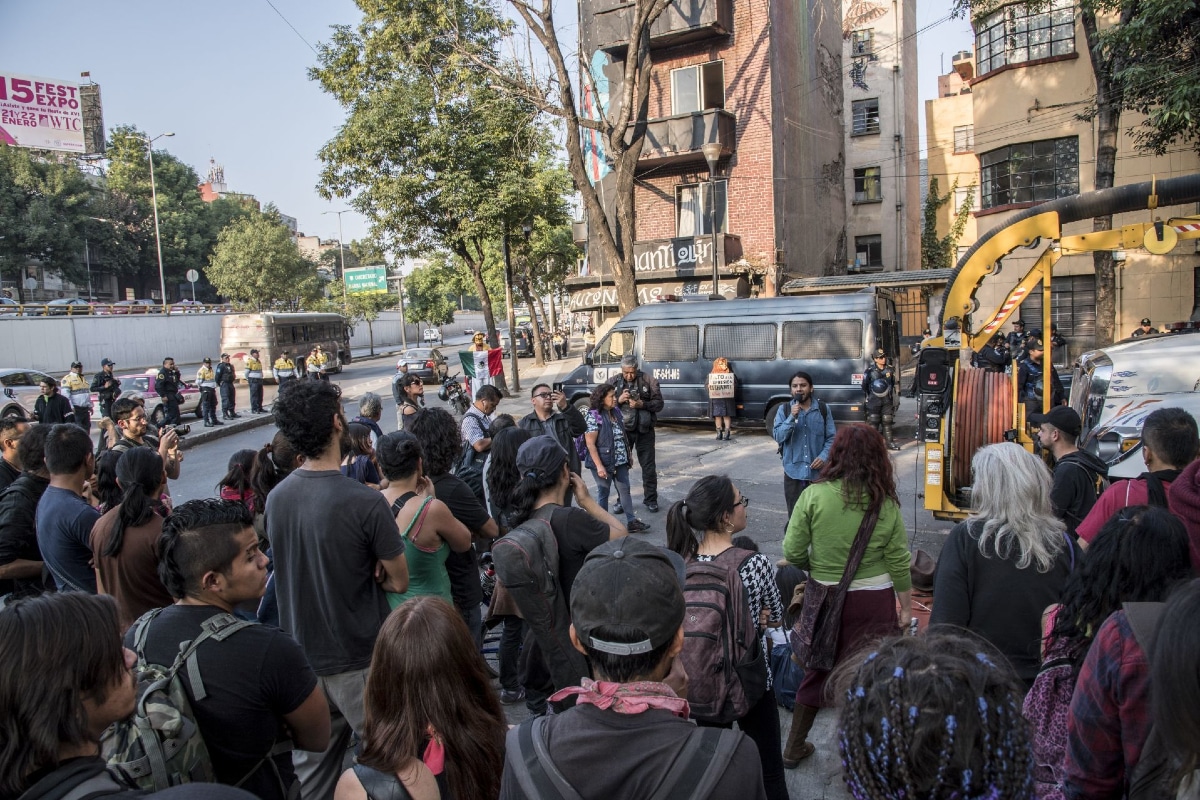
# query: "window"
{"points": [[698, 88], [862, 43], [743, 342], [865, 117], [964, 138], [674, 343], [1030, 172], [868, 253], [823, 338], [1072, 308], [1016, 34], [962, 194], [691, 208], [867, 187], [614, 347]]}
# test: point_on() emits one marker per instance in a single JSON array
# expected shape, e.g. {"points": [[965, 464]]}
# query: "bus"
{"points": [[271, 333], [767, 340]]}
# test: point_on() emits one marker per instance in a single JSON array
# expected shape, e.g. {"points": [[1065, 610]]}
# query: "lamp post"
{"points": [[712, 154], [512, 316], [342, 251], [162, 280]]}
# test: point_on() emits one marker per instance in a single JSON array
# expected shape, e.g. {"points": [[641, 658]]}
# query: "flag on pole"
{"points": [[481, 365]]}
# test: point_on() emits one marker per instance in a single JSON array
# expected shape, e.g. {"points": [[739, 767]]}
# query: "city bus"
{"points": [[767, 340], [271, 333]]}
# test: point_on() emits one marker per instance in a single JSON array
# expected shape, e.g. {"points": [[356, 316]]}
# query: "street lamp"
{"points": [[712, 154], [342, 250], [162, 280]]}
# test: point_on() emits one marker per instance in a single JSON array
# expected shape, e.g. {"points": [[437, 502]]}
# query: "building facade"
{"points": [[950, 144]]}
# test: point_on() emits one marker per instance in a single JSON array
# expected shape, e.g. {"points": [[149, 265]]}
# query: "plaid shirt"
{"points": [[1110, 714]]}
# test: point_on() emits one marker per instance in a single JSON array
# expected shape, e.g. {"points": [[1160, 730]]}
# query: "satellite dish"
{"points": [[1164, 245]]}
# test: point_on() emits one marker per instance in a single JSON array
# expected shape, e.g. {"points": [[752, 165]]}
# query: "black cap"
{"points": [[107, 362], [224, 355], [1062, 417], [207, 359], [540, 457], [1146, 321], [253, 352], [75, 364], [1017, 322], [1035, 344], [879, 354]]}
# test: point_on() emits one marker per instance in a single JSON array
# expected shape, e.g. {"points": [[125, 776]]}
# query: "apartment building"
{"points": [[950, 146], [761, 84]]}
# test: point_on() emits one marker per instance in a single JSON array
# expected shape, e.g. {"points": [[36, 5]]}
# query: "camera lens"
{"points": [[182, 430]]}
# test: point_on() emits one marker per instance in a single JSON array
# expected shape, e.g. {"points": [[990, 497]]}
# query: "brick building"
{"points": [[763, 80]]}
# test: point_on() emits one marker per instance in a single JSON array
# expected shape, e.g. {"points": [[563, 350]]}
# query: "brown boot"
{"points": [[798, 747]]}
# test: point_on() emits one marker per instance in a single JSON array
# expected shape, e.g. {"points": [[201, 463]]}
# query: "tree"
{"points": [[257, 264], [430, 291], [938, 252], [359, 306], [44, 205]]}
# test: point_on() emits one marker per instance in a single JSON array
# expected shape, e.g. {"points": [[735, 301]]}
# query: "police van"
{"points": [[829, 336]]}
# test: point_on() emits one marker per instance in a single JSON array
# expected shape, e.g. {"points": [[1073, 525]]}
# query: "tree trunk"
{"points": [[371, 335], [539, 352], [475, 265]]}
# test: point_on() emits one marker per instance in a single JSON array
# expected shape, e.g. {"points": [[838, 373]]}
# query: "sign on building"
{"points": [[41, 113], [366, 280]]}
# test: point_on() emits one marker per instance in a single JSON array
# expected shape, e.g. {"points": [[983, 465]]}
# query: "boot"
{"points": [[798, 747], [891, 442]]}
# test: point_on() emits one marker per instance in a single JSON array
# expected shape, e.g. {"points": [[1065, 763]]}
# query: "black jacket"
{"points": [[645, 387], [167, 382], [224, 373], [18, 529], [1076, 486], [53, 409], [109, 393], [567, 424], [994, 359]]}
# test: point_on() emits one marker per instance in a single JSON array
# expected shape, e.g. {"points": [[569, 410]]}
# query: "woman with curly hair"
{"points": [[935, 717], [433, 724], [857, 480]]}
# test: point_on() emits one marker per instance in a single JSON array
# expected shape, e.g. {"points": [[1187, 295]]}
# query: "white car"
{"points": [[433, 335]]}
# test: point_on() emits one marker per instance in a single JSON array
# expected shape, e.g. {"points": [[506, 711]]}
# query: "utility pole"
{"points": [[342, 251], [512, 317]]}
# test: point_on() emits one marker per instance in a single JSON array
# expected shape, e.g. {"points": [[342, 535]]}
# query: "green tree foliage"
{"points": [[44, 205], [256, 264], [937, 252], [357, 307], [431, 292]]}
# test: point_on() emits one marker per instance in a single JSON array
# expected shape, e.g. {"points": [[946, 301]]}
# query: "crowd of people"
{"points": [[320, 622]]}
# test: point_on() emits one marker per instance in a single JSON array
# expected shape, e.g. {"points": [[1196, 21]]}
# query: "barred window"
{"points": [[862, 42], [867, 187], [675, 343], [823, 338], [740, 342], [864, 117], [1030, 172], [1016, 34]]}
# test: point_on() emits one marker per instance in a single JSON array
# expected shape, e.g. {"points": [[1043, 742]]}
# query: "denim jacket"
{"points": [[804, 439]]}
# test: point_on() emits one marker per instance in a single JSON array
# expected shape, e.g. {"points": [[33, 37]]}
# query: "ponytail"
{"points": [[527, 491], [681, 536], [140, 474]]}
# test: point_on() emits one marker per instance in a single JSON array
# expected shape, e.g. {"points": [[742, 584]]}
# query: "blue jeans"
{"points": [[621, 476]]}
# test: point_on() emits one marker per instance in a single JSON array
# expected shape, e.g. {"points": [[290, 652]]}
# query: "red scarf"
{"points": [[627, 698]]}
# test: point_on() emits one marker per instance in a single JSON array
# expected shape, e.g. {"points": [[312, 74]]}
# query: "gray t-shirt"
{"points": [[327, 533]]}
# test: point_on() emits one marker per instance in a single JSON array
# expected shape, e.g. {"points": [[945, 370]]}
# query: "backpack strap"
{"points": [[536, 773], [218, 627], [700, 764], [102, 785], [141, 629], [1143, 619], [380, 785], [401, 501]]}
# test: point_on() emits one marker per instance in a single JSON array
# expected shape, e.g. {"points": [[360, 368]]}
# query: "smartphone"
{"points": [[558, 387]]}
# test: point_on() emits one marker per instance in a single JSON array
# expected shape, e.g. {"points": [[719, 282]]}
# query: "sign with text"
{"points": [[720, 385], [366, 280], [40, 113]]}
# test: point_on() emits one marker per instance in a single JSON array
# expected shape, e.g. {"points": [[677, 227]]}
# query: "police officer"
{"points": [[994, 357], [640, 400], [206, 378], [1030, 381], [106, 386], [1016, 340], [254, 377], [1146, 328], [284, 370], [226, 378], [79, 393], [166, 385], [879, 387]]}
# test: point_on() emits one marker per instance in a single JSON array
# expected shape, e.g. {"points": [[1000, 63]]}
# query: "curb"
{"points": [[228, 429]]}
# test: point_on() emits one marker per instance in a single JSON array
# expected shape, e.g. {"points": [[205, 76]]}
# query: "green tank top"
{"points": [[426, 568]]}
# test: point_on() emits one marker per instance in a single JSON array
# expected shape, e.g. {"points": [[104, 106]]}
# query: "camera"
{"points": [[557, 387], [180, 430]]}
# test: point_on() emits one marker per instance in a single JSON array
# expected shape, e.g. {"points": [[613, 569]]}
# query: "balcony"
{"points": [[683, 21], [678, 139]]}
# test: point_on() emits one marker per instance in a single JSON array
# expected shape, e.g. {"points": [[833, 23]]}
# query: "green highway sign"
{"points": [[366, 280]]}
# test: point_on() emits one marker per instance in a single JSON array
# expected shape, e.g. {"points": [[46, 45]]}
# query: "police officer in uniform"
{"points": [[166, 385], [1031, 383], [254, 377], [1146, 328], [79, 392], [284, 370], [207, 380], [879, 385], [106, 386], [226, 378], [1016, 340], [994, 357]]}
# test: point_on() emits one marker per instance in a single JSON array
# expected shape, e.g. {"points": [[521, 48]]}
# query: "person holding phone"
{"points": [[554, 416], [804, 430]]}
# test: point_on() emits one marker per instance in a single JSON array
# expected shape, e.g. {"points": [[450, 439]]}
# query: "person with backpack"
{"points": [[244, 683], [804, 430], [628, 734], [21, 568], [731, 598], [1079, 476], [606, 453], [1138, 557], [854, 503], [1176, 701]]}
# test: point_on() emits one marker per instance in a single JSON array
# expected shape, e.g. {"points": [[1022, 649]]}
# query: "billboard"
{"points": [[40, 113], [366, 280]]}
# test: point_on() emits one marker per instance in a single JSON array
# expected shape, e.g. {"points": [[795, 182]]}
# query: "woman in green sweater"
{"points": [[824, 523]]}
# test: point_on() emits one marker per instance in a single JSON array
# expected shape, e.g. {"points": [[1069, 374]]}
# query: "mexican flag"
{"points": [[481, 365]]}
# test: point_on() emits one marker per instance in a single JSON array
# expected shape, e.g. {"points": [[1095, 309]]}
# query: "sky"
{"points": [[230, 79]]}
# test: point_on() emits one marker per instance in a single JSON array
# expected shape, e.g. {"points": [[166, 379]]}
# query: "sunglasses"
{"points": [[542, 395]]}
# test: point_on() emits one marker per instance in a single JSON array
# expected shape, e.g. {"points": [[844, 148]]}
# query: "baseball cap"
{"points": [[107, 362], [879, 354], [631, 586], [1035, 344], [1145, 320], [1017, 322], [253, 352], [207, 360], [75, 364], [224, 355], [1062, 417], [540, 457]]}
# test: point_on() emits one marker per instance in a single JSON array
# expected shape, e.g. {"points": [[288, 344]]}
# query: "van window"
{"points": [[740, 342], [614, 346], [675, 343], [823, 338]]}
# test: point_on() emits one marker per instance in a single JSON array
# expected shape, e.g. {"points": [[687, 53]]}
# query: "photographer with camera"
{"points": [[640, 400], [804, 430], [134, 426]]}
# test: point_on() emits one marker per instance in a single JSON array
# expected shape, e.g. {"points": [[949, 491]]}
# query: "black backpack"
{"points": [[469, 468], [1151, 778]]}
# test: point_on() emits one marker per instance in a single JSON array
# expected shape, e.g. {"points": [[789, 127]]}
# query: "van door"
{"points": [[606, 358], [671, 353]]}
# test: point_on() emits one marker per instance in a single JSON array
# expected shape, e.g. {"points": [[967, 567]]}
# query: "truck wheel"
{"points": [[772, 412]]}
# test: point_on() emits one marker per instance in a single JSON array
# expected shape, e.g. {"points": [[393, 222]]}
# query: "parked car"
{"points": [[429, 364], [1118, 440], [143, 383], [60, 307], [433, 336], [9, 307], [20, 391], [136, 307]]}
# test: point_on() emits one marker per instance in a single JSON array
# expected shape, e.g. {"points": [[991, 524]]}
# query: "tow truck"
{"points": [[962, 408]]}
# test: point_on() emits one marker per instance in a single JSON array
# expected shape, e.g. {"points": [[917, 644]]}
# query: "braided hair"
{"points": [[935, 717]]}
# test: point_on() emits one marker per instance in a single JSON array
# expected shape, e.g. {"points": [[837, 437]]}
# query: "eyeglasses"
{"points": [[745, 501], [542, 395]]}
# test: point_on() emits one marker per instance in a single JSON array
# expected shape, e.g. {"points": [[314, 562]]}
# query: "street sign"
{"points": [[366, 280], [193, 276]]}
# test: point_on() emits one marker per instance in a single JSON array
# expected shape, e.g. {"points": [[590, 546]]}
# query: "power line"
{"points": [[293, 27]]}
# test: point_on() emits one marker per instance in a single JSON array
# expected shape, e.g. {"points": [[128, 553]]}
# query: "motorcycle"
{"points": [[452, 392]]}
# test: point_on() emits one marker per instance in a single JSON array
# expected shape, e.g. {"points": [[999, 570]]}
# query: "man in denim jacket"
{"points": [[804, 430]]}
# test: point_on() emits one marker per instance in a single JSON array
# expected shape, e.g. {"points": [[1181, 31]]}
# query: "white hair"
{"points": [[1011, 497]]}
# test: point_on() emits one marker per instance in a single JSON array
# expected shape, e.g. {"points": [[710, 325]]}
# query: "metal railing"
{"points": [[109, 309]]}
